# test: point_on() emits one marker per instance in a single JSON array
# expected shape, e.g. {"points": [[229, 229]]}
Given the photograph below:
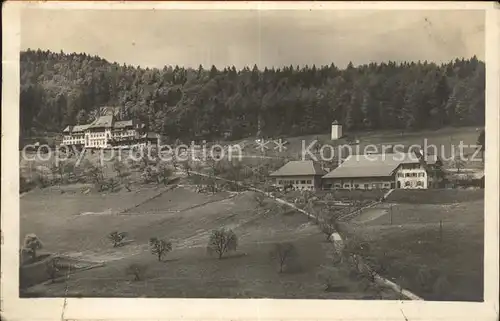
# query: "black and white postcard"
{"points": [[250, 160]]}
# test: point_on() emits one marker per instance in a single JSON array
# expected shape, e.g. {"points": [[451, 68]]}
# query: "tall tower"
{"points": [[336, 130]]}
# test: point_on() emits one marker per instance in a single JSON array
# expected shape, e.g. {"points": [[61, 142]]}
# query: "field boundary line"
{"points": [[169, 188], [383, 280], [351, 215]]}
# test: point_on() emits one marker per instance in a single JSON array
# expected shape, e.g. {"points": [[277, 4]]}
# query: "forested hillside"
{"points": [[58, 89]]}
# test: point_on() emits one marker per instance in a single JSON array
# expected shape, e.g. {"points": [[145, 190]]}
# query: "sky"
{"points": [[155, 38]]}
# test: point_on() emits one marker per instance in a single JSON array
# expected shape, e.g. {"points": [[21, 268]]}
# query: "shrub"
{"points": [[112, 184], [149, 174], [222, 241], [283, 253], [163, 173], [137, 270], [159, 247], [117, 238], [31, 244]]}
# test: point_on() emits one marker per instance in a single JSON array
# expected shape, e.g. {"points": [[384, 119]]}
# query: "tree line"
{"points": [[58, 89]]}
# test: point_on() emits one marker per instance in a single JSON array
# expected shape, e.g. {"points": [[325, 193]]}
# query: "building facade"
{"points": [[366, 183], [389, 171], [412, 176], [105, 132], [298, 175]]}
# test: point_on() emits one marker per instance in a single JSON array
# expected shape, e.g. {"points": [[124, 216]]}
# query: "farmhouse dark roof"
{"points": [[299, 168], [375, 165]]}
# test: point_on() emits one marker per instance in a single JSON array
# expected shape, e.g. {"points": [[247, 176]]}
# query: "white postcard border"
{"points": [[14, 308]]}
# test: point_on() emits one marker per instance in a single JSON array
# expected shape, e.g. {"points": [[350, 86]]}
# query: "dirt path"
{"points": [[336, 236]]}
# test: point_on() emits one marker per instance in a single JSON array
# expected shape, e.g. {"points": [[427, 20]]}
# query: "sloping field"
{"points": [[188, 271], [177, 200], [434, 249], [74, 222]]}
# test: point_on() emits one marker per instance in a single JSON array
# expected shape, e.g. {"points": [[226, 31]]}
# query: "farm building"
{"points": [[464, 178], [385, 171], [299, 175]]}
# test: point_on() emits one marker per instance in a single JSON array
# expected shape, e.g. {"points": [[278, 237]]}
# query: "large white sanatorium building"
{"points": [[106, 132]]}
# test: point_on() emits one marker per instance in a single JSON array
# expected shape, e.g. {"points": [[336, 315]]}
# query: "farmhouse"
{"points": [[299, 175], [385, 171], [106, 132]]}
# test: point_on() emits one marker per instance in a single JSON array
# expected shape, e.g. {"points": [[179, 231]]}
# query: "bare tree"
{"points": [[283, 253], [458, 161], [187, 167], [96, 174], [112, 184], [328, 228], [222, 241], [211, 181], [121, 170], [57, 170], [159, 247], [163, 173]]}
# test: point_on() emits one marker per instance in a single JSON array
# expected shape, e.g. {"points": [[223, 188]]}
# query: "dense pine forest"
{"points": [[58, 89]]}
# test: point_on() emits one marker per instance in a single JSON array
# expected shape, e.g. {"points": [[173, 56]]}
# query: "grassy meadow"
{"points": [[434, 249]]}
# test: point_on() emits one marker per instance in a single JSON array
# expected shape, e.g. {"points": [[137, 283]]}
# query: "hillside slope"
{"points": [[58, 89]]}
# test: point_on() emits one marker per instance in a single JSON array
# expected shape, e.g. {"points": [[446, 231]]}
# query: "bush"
{"points": [[137, 270], [159, 247], [222, 241], [111, 184], [31, 245], [117, 238]]}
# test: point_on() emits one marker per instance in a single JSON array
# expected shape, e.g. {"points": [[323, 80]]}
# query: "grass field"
{"points": [[436, 263], [186, 219]]}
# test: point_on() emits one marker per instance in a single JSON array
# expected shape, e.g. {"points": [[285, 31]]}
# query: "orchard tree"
{"points": [[159, 247], [221, 242], [284, 253]]}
